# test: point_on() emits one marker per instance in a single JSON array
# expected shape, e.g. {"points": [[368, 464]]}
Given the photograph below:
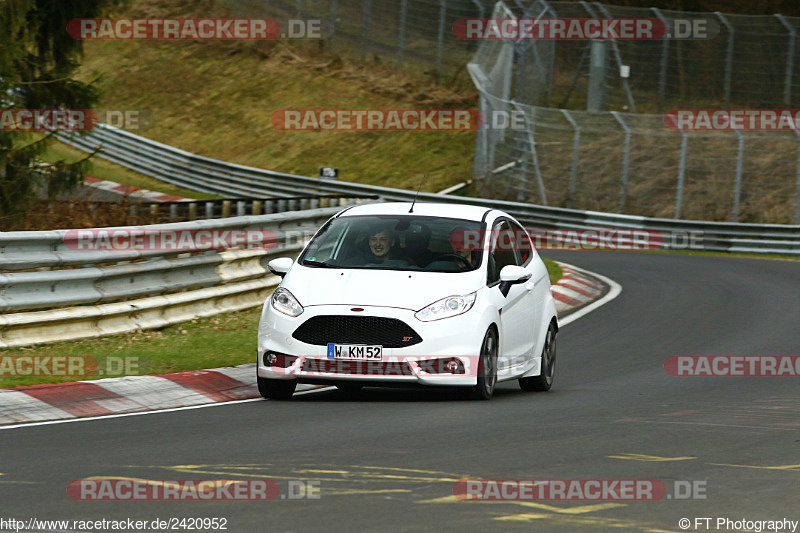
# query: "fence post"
{"points": [[573, 170], [617, 55], [681, 174], [626, 159], [528, 133], [480, 8], [787, 84], [598, 63], [401, 38], [728, 57], [662, 75], [737, 187], [366, 23], [440, 37]]}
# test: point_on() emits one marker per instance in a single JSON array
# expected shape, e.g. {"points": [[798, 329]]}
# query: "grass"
{"points": [[217, 100], [227, 339], [106, 170]]}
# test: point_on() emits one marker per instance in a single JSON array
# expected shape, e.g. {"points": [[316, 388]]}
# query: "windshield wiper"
{"points": [[323, 264]]}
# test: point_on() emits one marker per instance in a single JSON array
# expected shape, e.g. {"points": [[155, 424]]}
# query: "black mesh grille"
{"points": [[388, 332]]}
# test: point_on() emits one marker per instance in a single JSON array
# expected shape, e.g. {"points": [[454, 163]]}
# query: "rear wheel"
{"points": [[544, 380], [487, 368], [276, 389]]}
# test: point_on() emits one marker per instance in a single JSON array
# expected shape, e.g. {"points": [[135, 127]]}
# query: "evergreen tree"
{"points": [[37, 61]]}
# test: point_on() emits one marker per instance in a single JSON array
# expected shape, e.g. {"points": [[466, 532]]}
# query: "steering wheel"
{"points": [[457, 258]]}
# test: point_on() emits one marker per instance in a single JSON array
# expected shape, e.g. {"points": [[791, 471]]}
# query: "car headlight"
{"points": [[446, 307], [285, 302]]}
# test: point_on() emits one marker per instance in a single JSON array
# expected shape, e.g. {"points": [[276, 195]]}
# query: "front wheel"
{"points": [[276, 389], [544, 380], [487, 368]]}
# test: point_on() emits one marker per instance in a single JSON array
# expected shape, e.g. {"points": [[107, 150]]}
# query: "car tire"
{"points": [[487, 368], [276, 389], [544, 380]]}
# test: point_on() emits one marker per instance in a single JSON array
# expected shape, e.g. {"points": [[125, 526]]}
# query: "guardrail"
{"points": [[228, 207], [196, 172], [76, 293]]}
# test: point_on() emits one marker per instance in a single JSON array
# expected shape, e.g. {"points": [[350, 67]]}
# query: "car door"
{"points": [[516, 307], [535, 288]]}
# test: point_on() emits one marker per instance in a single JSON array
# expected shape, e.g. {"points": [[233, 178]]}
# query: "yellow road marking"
{"points": [[341, 492], [353, 474], [790, 468], [560, 510], [641, 457], [593, 521]]}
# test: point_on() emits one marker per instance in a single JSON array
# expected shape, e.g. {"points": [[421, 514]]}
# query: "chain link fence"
{"points": [[406, 32], [627, 162], [752, 61]]}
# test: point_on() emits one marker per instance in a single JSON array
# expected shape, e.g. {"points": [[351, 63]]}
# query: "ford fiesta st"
{"points": [[397, 294]]}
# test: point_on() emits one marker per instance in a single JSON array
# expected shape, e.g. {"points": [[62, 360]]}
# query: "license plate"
{"points": [[361, 352]]}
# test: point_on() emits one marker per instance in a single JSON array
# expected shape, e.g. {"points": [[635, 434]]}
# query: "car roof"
{"points": [[463, 211]]}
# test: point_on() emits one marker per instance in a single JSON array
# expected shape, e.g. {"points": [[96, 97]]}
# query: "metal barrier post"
{"points": [[662, 72], [737, 187], [401, 38], [366, 22], [573, 170], [626, 159], [787, 84], [797, 187], [681, 174], [728, 57], [440, 37]]}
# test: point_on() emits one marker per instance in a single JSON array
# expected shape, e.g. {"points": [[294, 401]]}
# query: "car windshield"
{"points": [[394, 242]]}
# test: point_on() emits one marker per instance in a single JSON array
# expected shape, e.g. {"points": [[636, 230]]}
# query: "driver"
{"points": [[381, 242]]}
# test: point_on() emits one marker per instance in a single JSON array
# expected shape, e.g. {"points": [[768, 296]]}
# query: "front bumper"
{"points": [[457, 339]]}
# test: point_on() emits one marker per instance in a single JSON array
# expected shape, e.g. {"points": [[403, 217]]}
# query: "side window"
{"points": [[502, 252], [524, 246]]}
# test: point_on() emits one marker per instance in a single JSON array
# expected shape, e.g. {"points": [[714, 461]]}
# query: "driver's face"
{"points": [[380, 244]]}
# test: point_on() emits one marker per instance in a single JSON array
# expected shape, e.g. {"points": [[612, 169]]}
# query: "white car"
{"points": [[402, 294]]}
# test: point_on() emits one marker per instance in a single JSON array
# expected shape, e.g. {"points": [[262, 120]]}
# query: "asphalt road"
{"points": [[387, 460]]}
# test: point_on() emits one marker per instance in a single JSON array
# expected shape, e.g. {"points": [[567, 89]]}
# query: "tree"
{"points": [[37, 61]]}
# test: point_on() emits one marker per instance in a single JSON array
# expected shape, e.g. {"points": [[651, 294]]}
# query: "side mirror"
{"points": [[280, 266], [512, 275]]}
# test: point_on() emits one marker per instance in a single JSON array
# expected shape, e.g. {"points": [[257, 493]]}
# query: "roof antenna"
{"points": [[424, 176]]}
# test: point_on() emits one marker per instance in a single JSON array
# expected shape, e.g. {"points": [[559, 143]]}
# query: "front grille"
{"points": [[358, 368], [340, 329]]}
